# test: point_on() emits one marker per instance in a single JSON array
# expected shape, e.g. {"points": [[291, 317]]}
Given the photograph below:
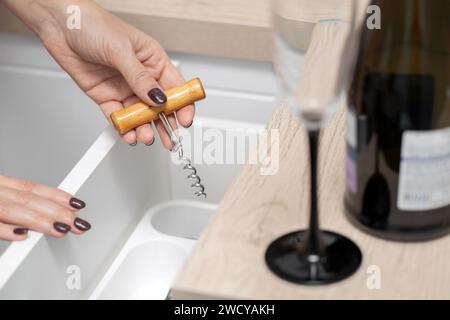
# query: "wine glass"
{"points": [[315, 43]]}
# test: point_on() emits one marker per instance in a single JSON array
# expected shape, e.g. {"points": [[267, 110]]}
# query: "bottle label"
{"points": [[424, 182], [352, 138]]}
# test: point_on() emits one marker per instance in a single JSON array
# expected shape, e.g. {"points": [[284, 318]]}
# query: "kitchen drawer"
{"points": [[52, 133]]}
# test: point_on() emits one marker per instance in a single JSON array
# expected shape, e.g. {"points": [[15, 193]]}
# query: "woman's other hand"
{"points": [[25, 205]]}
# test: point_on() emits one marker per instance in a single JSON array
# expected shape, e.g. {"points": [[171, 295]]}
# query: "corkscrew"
{"points": [[140, 113], [177, 146]]}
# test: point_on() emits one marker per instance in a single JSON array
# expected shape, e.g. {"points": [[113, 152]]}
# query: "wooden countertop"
{"points": [[231, 28], [228, 261]]}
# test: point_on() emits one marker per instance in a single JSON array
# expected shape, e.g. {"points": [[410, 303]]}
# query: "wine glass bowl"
{"points": [[315, 45]]}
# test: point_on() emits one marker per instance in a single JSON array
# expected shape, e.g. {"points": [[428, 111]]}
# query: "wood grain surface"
{"points": [[228, 261], [231, 29]]}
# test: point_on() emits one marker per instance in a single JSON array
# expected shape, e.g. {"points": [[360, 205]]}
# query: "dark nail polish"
{"points": [[151, 143], [77, 203], [133, 144], [61, 227], [20, 231], [157, 96], [81, 224]]}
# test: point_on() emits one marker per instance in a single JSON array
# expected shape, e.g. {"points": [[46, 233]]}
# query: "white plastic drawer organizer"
{"points": [[144, 224]]}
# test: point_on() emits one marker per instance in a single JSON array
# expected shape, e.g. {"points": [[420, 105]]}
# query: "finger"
{"points": [[144, 133], [108, 108], [12, 233], [54, 194], [115, 86], [141, 80], [162, 132], [185, 115], [52, 210], [12, 213], [171, 77]]}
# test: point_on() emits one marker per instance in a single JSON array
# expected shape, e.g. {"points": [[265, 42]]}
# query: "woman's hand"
{"points": [[112, 62], [25, 205]]}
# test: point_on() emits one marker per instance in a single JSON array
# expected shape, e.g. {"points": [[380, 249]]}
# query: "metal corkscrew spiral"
{"points": [[197, 186]]}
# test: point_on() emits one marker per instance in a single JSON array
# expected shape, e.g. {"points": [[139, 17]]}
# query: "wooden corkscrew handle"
{"points": [[140, 113]]}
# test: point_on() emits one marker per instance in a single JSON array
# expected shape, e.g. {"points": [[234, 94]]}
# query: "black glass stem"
{"points": [[313, 241], [313, 256]]}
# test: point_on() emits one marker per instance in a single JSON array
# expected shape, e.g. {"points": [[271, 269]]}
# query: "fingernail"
{"points": [[61, 227], [81, 224], [20, 231], [133, 144], [77, 203], [149, 144], [157, 96]]}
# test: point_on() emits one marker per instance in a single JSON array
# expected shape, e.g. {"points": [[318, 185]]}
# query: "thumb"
{"points": [[141, 81]]}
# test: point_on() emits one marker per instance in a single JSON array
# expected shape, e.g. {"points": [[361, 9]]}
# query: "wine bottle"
{"points": [[398, 128]]}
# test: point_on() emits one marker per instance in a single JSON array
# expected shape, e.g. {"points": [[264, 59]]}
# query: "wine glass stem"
{"points": [[313, 239]]}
